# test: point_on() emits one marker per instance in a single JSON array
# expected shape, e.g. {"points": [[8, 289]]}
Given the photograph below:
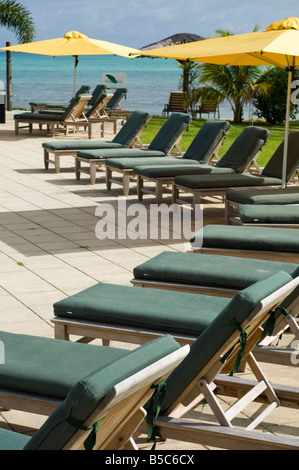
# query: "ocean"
{"points": [[45, 78]]}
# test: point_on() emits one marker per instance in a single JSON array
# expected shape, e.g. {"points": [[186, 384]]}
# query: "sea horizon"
{"points": [[149, 81]]}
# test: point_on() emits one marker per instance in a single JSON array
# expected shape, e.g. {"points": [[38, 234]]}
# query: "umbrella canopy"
{"points": [[278, 45], [74, 44]]}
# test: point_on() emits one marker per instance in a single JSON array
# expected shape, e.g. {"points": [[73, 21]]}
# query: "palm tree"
{"points": [[234, 83], [18, 19]]}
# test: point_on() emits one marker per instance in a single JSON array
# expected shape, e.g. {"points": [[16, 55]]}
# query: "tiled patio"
{"points": [[49, 250]]}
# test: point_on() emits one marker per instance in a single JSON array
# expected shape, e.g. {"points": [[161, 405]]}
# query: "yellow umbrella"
{"points": [[74, 44], [278, 45]]}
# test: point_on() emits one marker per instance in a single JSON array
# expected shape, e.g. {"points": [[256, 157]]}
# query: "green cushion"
{"points": [[206, 140], [247, 238], [170, 132], [41, 116], [219, 331], [119, 153], [32, 365], [184, 167], [274, 165], [265, 196], [131, 128], [123, 138], [276, 214], [89, 391], [162, 310], [10, 440], [224, 180], [209, 270], [95, 95], [80, 144], [244, 148]]}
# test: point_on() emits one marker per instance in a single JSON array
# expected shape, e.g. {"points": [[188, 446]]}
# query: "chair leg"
{"points": [[139, 187], [77, 168], [46, 159], [108, 178], [159, 192], [93, 173], [126, 184]]}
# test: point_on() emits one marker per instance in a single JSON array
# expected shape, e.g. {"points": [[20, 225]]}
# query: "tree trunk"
{"points": [[8, 79]]}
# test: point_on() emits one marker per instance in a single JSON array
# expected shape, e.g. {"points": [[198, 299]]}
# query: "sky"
{"points": [[136, 23]]}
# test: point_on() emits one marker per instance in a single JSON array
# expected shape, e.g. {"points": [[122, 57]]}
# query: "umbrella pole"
{"points": [[75, 71], [286, 132]]}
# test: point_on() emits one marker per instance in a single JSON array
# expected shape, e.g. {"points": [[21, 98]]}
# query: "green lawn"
{"points": [[276, 137]]}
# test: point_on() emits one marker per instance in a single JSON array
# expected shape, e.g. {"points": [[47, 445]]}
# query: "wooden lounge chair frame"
{"points": [[208, 107], [176, 103], [203, 386], [53, 156], [128, 175], [163, 183], [72, 119]]}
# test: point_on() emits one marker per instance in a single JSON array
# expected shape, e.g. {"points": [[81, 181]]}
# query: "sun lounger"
{"points": [[104, 403], [98, 390], [214, 275], [212, 185], [128, 136], [268, 216], [238, 159], [71, 117], [202, 150], [215, 351], [208, 274], [281, 196], [114, 108], [58, 105], [163, 143], [269, 243], [91, 313]]}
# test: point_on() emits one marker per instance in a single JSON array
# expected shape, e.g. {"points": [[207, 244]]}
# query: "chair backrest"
{"points": [[206, 141], [96, 94], [274, 166], [115, 100], [94, 396], [98, 108], [82, 90], [131, 128], [170, 132], [177, 102], [75, 108], [208, 107], [244, 148], [248, 309]]}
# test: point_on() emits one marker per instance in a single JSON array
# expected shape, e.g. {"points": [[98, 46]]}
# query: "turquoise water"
{"points": [[45, 78]]}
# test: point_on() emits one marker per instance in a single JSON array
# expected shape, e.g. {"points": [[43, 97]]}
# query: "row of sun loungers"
{"points": [[221, 331], [83, 110], [198, 319]]}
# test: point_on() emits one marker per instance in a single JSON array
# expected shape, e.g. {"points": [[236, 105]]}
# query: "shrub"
{"points": [[273, 106]]}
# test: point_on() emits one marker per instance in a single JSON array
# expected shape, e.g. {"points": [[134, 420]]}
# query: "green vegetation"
{"points": [[276, 137], [15, 17]]}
